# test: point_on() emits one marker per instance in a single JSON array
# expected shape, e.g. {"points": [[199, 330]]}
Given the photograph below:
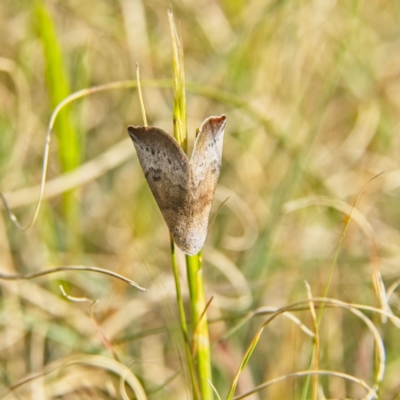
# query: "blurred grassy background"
{"points": [[311, 90]]}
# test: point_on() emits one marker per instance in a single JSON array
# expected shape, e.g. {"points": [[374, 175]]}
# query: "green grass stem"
{"points": [[193, 263], [200, 324], [182, 319], [69, 149]]}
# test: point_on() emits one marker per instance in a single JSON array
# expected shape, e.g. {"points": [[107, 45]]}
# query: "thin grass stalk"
{"points": [[200, 324], [179, 108], [193, 263], [182, 319], [244, 362], [316, 349]]}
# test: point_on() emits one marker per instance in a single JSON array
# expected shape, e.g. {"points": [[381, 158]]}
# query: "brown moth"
{"points": [[183, 188]]}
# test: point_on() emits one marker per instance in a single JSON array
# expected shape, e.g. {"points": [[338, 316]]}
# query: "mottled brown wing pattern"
{"points": [[207, 152], [183, 190], [165, 167], [205, 166]]}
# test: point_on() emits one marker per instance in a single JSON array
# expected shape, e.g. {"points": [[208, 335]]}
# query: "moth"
{"points": [[183, 188]]}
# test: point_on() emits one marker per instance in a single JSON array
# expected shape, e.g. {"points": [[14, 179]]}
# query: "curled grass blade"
{"points": [[34, 275]]}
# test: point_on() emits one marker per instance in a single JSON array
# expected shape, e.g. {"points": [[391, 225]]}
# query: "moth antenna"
{"points": [[140, 95]]}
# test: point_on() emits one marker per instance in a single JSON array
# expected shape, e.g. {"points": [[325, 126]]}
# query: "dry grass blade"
{"points": [[371, 392], [34, 275], [95, 361], [316, 348]]}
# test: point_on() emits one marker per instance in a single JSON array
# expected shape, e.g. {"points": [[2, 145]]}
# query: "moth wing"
{"points": [[205, 165], [183, 190], [207, 154], [166, 168]]}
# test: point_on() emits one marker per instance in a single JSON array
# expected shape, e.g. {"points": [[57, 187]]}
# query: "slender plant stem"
{"points": [[201, 340], [183, 323]]}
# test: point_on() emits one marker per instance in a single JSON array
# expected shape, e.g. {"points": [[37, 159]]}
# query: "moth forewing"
{"points": [[183, 190], [207, 149]]}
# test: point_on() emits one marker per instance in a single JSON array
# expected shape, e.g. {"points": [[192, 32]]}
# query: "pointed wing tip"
{"points": [[134, 130], [221, 119], [216, 121]]}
